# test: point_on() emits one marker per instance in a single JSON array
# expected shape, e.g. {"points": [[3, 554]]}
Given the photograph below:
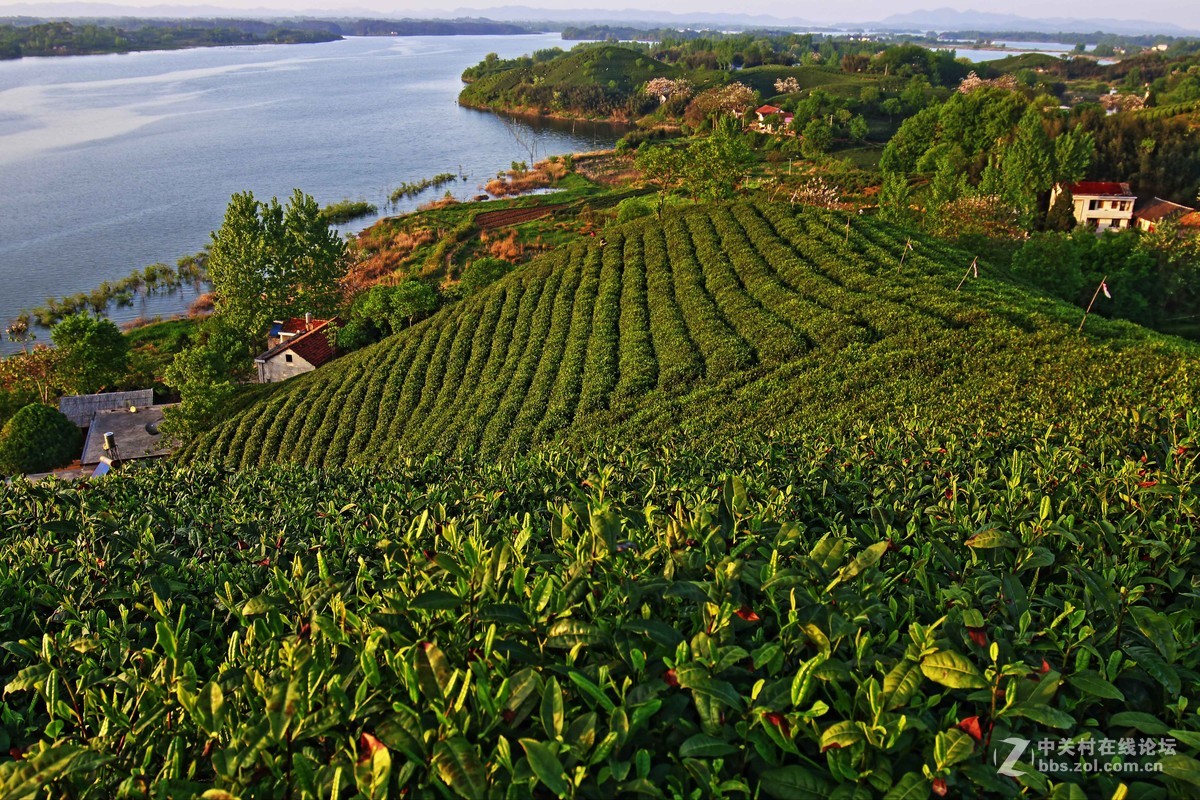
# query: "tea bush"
{"points": [[868, 613]]}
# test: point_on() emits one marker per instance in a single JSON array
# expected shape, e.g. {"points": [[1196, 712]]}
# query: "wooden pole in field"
{"points": [[907, 246], [1102, 287], [973, 268]]}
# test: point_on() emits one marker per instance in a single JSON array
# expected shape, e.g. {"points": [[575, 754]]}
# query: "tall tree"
{"points": [[1028, 164], [94, 352], [663, 165], [268, 261]]}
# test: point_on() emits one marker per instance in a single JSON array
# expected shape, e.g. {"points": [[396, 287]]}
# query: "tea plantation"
{"points": [[732, 506], [739, 317]]}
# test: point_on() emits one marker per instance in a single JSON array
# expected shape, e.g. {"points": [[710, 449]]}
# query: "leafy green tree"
{"points": [[94, 352], [205, 376], [1051, 261], [392, 308], [1062, 213], [411, 301], [38, 438], [269, 261], [36, 372], [716, 164], [895, 199], [1028, 166], [663, 165], [859, 128], [818, 138], [1073, 155]]}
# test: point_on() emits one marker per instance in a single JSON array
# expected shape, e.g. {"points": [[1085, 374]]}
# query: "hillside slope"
{"points": [[717, 319]]}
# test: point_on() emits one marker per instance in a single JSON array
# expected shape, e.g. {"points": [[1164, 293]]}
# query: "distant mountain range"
{"points": [[948, 19], [942, 19]]}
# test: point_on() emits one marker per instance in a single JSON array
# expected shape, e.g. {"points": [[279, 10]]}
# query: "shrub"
{"points": [[37, 438], [632, 208]]}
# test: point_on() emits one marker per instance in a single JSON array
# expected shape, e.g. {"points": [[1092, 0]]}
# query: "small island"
{"points": [[70, 39]]}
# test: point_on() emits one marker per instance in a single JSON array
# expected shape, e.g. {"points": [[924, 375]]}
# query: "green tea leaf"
{"points": [[435, 600], [552, 708], [841, 734], [546, 766], [1156, 667], [1181, 768], [989, 538], [1157, 628], [1139, 720], [1046, 715], [901, 682], [952, 746], [952, 669], [1090, 683], [459, 767], [592, 690], [703, 746], [794, 783], [911, 786]]}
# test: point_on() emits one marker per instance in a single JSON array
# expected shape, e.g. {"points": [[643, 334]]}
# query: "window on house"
{"points": [[1091, 205], [287, 357]]}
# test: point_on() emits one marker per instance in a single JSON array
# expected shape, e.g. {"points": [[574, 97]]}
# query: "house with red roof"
{"points": [[1149, 213], [296, 346], [1099, 205], [769, 111]]}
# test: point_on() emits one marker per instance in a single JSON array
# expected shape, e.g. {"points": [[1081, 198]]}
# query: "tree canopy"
{"points": [[268, 261], [93, 354]]}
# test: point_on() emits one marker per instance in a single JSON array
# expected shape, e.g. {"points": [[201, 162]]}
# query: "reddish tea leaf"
{"points": [[779, 721], [831, 746], [1045, 667], [978, 636], [970, 725], [16, 753], [1148, 484], [266, 562], [746, 613], [669, 677], [939, 787], [369, 746], [508, 715]]}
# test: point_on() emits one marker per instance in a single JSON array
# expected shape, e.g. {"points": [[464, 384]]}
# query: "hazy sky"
{"points": [[1185, 13]]}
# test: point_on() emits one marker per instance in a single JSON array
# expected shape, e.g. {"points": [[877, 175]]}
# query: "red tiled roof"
{"points": [[1103, 188], [767, 109], [313, 346], [298, 325], [1190, 220], [1157, 209]]}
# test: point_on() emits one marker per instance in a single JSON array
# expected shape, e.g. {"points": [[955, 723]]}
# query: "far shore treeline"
{"points": [[25, 36]]}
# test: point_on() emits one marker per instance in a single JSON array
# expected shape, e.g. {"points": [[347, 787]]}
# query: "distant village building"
{"points": [[1149, 213], [765, 113], [1100, 205], [296, 346]]}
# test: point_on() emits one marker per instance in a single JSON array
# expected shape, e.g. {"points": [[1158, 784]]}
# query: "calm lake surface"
{"points": [[110, 163]]}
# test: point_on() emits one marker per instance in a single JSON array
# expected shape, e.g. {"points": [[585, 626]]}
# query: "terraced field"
{"points": [[720, 316]]}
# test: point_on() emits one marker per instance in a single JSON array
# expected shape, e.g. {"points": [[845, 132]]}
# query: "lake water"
{"points": [[110, 163]]}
